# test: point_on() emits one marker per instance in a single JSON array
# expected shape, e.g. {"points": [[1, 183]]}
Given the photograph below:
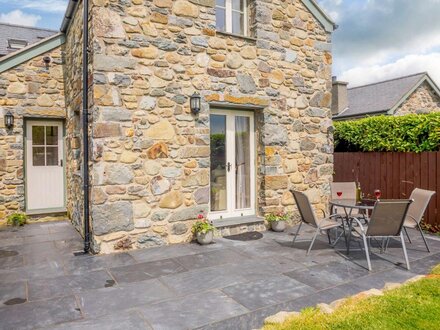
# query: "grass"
{"points": [[411, 306]]}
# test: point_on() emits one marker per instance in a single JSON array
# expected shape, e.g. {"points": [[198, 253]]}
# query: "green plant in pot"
{"points": [[277, 220], [17, 219], [203, 230]]}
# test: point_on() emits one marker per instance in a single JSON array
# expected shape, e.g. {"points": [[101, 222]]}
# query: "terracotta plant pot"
{"points": [[205, 238], [278, 226]]}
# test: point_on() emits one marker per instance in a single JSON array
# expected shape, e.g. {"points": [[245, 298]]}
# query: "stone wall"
{"points": [[29, 90], [423, 100], [151, 155], [73, 49]]}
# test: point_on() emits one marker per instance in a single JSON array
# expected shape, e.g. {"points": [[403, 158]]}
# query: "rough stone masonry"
{"points": [[151, 155]]}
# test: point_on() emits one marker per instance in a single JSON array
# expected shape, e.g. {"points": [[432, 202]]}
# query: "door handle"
{"points": [[61, 162], [229, 167]]}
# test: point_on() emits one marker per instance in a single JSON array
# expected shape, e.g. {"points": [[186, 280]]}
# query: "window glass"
{"points": [[230, 16], [37, 135], [51, 156], [220, 19], [38, 156], [238, 5], [237, 23], [52, 135]]}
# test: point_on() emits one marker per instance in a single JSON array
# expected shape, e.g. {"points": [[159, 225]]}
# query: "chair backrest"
{"points": [[421, 199], [305, 208], [348, 190], [388, 217]]}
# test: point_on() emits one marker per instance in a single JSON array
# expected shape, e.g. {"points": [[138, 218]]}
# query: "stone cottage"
{"points": [[412, 94], [263, 73]]}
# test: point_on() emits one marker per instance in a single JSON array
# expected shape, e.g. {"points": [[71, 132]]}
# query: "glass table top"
{"points": [[364, 204]]}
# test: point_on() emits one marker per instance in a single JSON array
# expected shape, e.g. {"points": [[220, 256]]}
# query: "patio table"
{"points": [[349, 205]]}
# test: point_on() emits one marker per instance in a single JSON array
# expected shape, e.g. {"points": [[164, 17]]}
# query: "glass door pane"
{"points": [[218, 163], [242, 163]]}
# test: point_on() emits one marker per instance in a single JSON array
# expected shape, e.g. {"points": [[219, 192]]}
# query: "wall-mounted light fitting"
{"points": [[9, 120], [195, 102]]}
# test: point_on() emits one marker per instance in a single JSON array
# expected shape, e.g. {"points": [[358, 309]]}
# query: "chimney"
{"points": [[339, 96]]}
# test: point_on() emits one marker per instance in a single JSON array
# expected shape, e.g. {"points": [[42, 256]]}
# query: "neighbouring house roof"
{"points": [[17, 35], [25, 54], [383, 97]]}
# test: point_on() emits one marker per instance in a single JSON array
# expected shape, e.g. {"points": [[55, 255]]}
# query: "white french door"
{"points": [[232, 164], [44, 166]]}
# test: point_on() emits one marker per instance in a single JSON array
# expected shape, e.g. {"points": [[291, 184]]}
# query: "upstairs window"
{"points": [[17, 43], [231, 16]]}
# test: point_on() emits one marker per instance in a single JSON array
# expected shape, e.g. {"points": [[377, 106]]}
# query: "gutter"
{"points": [[70, 10], [85, 123]]}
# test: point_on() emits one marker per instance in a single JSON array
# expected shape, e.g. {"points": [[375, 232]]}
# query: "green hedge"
{"points": [[410, 133]]}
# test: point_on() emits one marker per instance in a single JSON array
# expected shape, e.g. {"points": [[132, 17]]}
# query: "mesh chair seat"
{"points": [[421, 199], [386, 220], [308, 217], [325, 224], [410, 223]]}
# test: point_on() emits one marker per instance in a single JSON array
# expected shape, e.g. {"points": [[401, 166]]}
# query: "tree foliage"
{"points": [[409, 133]]}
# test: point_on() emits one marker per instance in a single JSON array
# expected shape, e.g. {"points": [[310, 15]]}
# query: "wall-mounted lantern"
{"points": [[9, 120], [194, 103]]}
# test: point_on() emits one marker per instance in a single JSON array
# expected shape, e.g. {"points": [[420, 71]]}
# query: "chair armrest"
{"points": [[360, 225], [410, 216]]}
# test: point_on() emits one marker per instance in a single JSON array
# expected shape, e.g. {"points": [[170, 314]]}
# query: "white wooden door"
{"points": [[232, 164], [44, 166]]}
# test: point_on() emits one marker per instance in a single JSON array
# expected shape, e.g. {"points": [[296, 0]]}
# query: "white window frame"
{"points": [[231, 211], [228, 16]]}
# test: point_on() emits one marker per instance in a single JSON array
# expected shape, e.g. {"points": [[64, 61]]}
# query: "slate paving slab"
{"points": [[212, 258], [191, 311], [267, 292], [67, 285], [100, 302], [39, 314], [131, 320], [328, 275], [9, 293], [11, 262], [146, 270], [226, 285], [87, 263]]}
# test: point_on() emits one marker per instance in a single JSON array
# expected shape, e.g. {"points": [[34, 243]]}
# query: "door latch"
{"points": [[229, 167]]}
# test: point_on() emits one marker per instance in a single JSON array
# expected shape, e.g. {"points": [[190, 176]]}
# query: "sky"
{"points": [[384, 39], [376, 39]]}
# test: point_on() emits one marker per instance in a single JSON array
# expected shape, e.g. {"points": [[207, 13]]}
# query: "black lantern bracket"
{"points": [[9, 120], [195, 103]]}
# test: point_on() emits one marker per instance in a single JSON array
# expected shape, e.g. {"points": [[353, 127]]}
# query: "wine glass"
{"points": [[377, 193], [339, 193]]}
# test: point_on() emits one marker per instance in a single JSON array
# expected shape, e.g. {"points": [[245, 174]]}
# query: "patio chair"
{"points": [[308, 217], [386, 221], [416, 210], [348, 190]]}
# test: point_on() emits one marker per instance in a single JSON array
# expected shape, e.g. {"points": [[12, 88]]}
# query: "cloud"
{"points": [[20, 18], [376, 32], [409, 64], [50, 6]]}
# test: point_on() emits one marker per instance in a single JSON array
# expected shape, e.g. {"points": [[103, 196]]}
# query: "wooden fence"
{"points": [[396, 174]]}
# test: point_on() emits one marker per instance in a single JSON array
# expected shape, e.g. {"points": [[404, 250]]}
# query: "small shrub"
{"points": [[433, 229], [203, 225], [17, 219], [279, 216], [409, 133]]}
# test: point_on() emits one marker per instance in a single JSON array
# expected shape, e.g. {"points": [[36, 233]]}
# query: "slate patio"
{"points": [[227, 285]]}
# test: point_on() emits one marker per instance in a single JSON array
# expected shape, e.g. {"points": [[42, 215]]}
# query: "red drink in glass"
{"points": [[377, 193]]}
